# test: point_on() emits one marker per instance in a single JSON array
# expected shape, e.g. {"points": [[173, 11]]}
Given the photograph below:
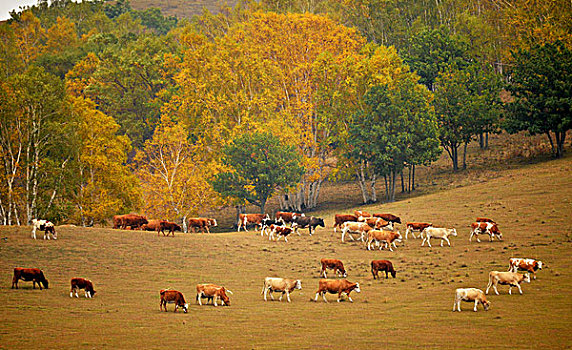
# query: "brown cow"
{"points": [[152, 225], [333, 264], [388, 217], [172, 296], [171, 227], [280, 231], [530, 265], [361, 215], [336, 287], [382, 265], [489, 228], [78, 283], [34, 275], [133, 221], [212, 292], [253, 219], [339, 219], [416, 226], [378, 223], [383, 236], [202, 224]]}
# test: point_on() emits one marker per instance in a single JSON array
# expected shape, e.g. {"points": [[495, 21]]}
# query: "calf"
{"points": [[284, 285], [513, 279], [46, 226], [336, 287], [78, 283], [250, 219], [214, 292], [333, 264], [355, 227], [339, 219], [388, 217], [311, 222], [470, 295], [172, 296], [171, 227], [382, 236], [438, 232], [530, 265], [280, 231], [382, 265], [416, 226], [485, 227], [34, 275]]}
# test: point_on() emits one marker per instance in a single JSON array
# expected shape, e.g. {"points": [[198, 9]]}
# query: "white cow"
{"points": [[438, 232], [355, 227], [46, 226], [276, 284], [470, 295]]}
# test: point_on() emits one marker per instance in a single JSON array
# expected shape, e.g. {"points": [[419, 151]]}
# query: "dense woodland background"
{"points": [[111, 107]]}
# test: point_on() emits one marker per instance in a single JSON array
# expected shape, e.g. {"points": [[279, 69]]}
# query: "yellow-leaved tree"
{"points": [[173, 174], [105, 185]]}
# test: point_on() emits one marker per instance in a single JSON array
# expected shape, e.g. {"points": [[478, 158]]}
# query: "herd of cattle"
{"points": [[376, 229]]}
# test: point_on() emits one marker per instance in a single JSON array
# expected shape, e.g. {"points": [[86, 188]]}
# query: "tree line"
{"points": [[105, 109]]}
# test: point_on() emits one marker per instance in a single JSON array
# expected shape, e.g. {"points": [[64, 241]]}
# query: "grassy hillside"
{"points": [[181, 8], [532, 204]]}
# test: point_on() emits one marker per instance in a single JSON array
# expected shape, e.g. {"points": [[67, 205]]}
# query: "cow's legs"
{"points": [[288, 296], [448, 241], [271, 294], [199, 297], [476, 303], [510, 290], [519, 289], [324, 296]]}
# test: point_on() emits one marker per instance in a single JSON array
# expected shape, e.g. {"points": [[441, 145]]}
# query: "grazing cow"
{"points": [[485, 227], [171, 227], [78, 283], [212, 292], [333, 264], [202, 224], [280, 231], [470, 295], [336, 287], [46, 226], [416, 226], [382, 265], [288, 217], [530, 265], [252, 219], [383, 236], [485, 220], [355, 227], [379, 223], [388, 217], [361, 215], [513, 279], [172, 296], [132, 221], [152, 225], [310, 222], [339, 219], [284, 285], [438, 232], [267, 222], [34, 275]]}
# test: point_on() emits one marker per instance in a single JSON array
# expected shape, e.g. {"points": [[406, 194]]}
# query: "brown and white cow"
{"points": [[78, 283], [332, 264], [34, 275], [388, 217], [355, 227], [250, 219], [470, 295], [382, 265], [438, 232], [172, 296], [362, 215], [488, 228], [513, 279], [279, 231], [338, 287], [133, 221], [530, 265], [46, 226], [212, 292], [287, 217], [485, 220], [379, 223], [168, 226], [339, 219], [383, 236], [416, 226], [284, 285], [202, 224]]}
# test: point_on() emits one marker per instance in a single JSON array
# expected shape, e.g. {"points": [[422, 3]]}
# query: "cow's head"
{"points": [[185, 307], [393, 273], [298, 284], [44, 281], [538, 265], [320, 222], [178, 228], [526, 278], [399, 237], [454, 232], [344, 272], [357, 290], [486, 305], [398, 220], [213, 222], [224, 297]]}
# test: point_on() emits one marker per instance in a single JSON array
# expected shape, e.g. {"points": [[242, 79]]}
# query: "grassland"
{"points": [[532, 204]]}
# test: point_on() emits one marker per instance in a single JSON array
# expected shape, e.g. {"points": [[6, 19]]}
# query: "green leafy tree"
{"points": [[259, 164], [541, 86]]}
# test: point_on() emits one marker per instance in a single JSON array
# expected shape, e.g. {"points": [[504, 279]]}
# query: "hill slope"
{"points": [[532, 205], [180, 8]]}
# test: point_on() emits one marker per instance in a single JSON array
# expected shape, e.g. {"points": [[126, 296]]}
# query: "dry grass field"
{"points": [[532, 204]]}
